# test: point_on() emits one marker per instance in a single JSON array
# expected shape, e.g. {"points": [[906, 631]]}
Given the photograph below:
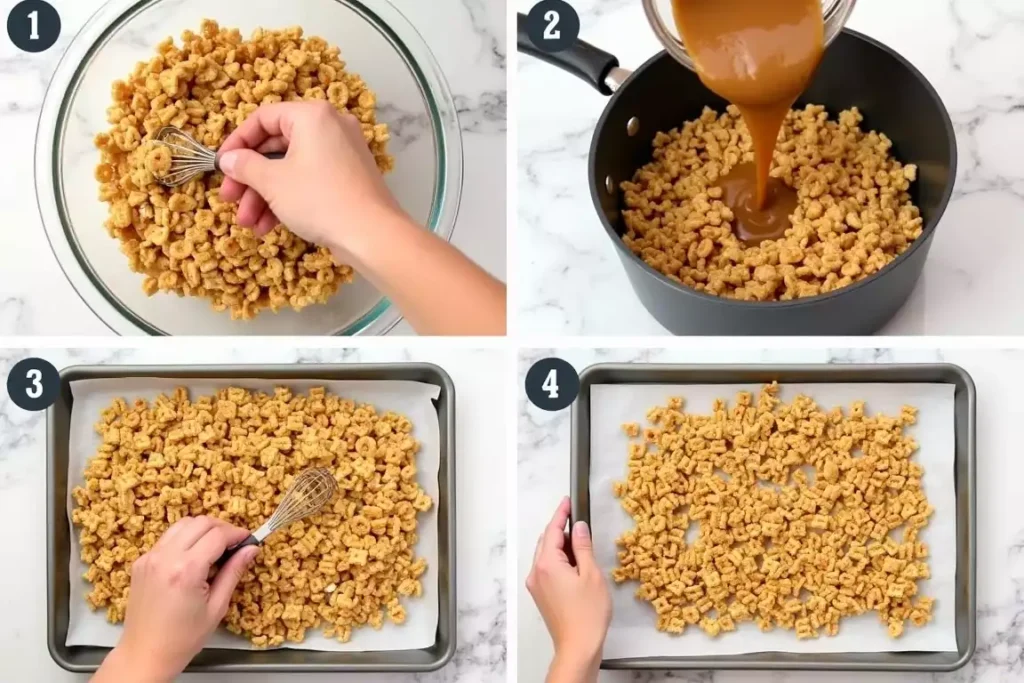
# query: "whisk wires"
{"points": [[312, 489], [189, 158]]}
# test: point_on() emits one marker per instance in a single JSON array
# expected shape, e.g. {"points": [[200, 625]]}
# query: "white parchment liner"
{"points": [[632, 632], [412, 399]]}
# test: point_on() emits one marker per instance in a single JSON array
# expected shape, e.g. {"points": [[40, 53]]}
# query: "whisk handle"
{"points": [[252, 540]]}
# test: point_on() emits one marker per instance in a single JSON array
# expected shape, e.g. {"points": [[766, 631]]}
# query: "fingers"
{"points": [[250, 168], [184, 533], [552, 542], [214, 542], [231, 190], [267, 222], [276, 144], [251, 208], [167, 538], [268, 121], [227, 578], [583, 547]]}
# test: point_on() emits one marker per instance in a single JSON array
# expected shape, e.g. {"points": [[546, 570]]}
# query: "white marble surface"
{"points": [[543, 465], [467, 37], [571, 279], [481, 537]]}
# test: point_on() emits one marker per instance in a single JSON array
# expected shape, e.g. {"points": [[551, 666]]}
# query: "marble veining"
{"points": [[481, 539], [467, 37], [543, 478], [571, 279]]}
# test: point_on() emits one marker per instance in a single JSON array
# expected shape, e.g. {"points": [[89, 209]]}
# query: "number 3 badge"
{"points": [[33, 384]]}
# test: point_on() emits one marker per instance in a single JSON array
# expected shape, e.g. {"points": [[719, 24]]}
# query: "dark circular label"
{"points": [[33, 25], [553, 25], [33, 384], [552, 384]]}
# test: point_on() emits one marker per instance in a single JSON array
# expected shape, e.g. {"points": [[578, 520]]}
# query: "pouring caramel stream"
{"points": [[760, 55]]}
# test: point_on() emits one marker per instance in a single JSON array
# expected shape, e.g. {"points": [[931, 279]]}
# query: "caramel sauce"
{"points": [[760, 55]]}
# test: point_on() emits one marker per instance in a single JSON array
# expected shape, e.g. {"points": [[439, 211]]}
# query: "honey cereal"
{"points": [[804, 517], [232, 456], [854, 213], [186, 240]]}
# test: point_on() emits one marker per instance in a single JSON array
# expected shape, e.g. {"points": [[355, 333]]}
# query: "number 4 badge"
{"points": [[552, 384]]}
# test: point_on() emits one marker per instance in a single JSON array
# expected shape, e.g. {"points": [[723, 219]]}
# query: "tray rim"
{"points": [[447, 595], [705, 373]]}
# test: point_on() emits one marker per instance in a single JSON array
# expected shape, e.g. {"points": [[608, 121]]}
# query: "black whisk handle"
{"points": [[269, 155], [234, 549]]}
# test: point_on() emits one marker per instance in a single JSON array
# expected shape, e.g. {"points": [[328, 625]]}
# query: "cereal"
{"points": [[796, 509], [186, 240], [854, 214], [232, 456]]}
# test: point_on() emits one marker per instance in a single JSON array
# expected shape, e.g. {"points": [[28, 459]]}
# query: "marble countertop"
{"points": [[35, 296], [570, 278], [543, 478], [481, 538]]}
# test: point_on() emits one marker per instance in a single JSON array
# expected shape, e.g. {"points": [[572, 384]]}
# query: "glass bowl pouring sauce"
{"points": [[834, 12], [376, 41]]}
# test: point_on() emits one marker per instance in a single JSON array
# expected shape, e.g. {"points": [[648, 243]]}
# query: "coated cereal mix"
{"points": [[232, 456], [802, 516], [186, 240]]}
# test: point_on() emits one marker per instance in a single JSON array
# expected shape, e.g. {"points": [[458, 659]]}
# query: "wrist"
{"points": [[121, 664], [579, 654], [380, 229], [574, 665]]}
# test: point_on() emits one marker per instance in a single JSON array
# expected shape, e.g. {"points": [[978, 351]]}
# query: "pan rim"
{"points": [[927, 233]]}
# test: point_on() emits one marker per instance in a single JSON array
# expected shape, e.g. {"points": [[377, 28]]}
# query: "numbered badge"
{"points": [[33, 25], [33, 384], [552, 384], [553, 25]]}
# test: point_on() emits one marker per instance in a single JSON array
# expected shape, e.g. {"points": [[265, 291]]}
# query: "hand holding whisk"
{"points": [[310, 492], [189, 158]]}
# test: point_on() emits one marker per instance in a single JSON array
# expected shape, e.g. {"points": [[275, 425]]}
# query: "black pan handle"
{"points": [[582, 59], [235, 548]]}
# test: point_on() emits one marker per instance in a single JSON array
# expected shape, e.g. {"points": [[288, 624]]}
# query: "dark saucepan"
{"points": [[895, 99]]}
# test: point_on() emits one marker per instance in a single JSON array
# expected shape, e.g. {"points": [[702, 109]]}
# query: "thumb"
{"points": [[583, 547], [248, 167], [228, 577]]}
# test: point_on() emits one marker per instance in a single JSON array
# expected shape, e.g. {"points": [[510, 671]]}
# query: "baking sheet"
{"points": [[412, 399], [632, 632]]}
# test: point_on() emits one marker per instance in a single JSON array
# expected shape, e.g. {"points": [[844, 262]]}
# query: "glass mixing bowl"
{"points": [[376, 41]]}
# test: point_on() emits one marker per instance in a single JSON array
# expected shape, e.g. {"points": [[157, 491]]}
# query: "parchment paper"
{"points": [[633, 633], [412, 399]]}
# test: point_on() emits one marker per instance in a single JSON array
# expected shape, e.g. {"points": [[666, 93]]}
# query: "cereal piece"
{"points": [[187, 241], [775, 545], [177, 457], [854, 214]]}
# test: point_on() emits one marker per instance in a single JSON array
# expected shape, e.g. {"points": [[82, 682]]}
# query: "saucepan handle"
{"points": [[581, 59]]}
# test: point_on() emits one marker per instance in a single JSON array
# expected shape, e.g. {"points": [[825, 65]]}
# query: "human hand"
{"points": [[327, 190], [172, 608], [573, 600]]}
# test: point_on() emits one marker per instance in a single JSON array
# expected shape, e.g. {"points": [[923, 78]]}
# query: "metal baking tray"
{"points": [[964, 415], [58, 544]]}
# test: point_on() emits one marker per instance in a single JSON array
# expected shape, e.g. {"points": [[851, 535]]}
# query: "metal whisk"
{"points": [[312, 490], [189, 158]]}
